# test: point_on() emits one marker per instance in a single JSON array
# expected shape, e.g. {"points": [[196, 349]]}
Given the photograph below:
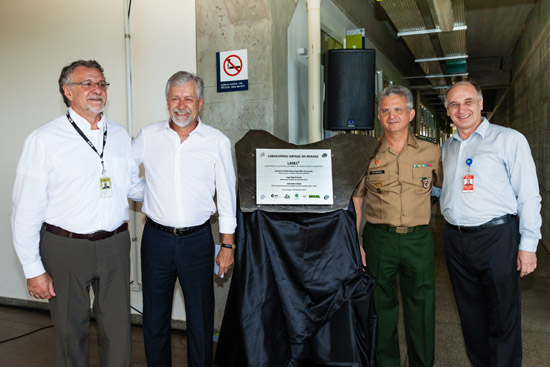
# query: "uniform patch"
{"points": [[425, 182]]}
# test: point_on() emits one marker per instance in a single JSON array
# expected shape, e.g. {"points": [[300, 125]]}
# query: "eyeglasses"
{"points": [[396, 110], [88, 84]]}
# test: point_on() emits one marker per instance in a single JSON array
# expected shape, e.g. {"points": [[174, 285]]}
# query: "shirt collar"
{"points": [[84, 124], [411, 141], [481, 130], [483, 127], [199, 129]]}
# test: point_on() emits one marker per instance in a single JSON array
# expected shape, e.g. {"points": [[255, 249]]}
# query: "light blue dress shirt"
{"points": [[505, 181]]}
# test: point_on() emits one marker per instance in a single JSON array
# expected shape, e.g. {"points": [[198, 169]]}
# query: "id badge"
{"points": [[105, 187], [468, 183]]}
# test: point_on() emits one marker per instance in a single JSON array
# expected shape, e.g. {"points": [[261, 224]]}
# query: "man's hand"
{"points": [[363, 256], [224, 260], [527, 262], [41, 286]]}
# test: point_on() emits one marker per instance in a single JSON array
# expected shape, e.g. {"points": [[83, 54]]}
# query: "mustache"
{"points": [[177, 110], [98, 97]]}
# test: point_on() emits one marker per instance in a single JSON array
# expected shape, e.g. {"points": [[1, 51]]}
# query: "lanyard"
{"points": [[90, 143]]}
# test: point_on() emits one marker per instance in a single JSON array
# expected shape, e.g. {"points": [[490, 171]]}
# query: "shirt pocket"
{"points": [[422, 179], [378, 180], [488, 170]]}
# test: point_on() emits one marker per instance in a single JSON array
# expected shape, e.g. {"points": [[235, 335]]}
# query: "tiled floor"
{"points": [[36, 349], [449, 345]]}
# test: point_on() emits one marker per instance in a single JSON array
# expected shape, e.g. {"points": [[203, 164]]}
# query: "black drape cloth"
{"points": [[298, 295]]}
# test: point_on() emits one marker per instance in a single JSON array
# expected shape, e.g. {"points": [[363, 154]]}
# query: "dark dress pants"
{"points": [[190, 258], [410, 258], [482, 267], [75, 265]]}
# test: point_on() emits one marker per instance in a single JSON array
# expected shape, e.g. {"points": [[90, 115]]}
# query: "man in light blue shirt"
{"points": [[491, 203]]}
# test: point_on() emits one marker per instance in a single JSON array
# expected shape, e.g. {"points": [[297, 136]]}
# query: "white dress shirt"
{"points": [[182, 177], [505, 181], [57, 182]]}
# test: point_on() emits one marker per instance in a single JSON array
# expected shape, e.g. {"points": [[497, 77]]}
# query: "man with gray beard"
{"points": [[69, 216], [186, 163]]}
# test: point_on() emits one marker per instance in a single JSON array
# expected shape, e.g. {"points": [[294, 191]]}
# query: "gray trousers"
{"points": [[75, 265]]}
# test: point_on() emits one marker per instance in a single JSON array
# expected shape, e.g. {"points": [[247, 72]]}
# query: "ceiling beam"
{"points": [[444, 11]]}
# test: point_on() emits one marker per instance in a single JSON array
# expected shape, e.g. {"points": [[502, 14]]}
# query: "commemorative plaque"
{"points": [[294, 176], [277, 176]]}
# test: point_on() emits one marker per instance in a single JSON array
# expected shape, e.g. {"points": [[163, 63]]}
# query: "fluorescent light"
{"points": [[427, 31], [442, 58], [435, 76]]}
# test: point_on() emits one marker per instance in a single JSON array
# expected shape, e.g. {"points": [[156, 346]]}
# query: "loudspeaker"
{"points": [[350, 76]]}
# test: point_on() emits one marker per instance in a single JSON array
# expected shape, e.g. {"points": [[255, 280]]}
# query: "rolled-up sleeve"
{"points": [[225, 189]]}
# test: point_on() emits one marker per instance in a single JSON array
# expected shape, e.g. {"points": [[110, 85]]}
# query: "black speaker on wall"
{"points": [[350, 76]]}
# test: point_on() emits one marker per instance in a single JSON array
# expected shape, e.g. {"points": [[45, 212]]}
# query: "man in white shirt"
{"points": [[186, 163], [491, 204], [69, 216]]}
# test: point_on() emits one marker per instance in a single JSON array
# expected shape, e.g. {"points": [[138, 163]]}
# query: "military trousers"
{"points": [[407, 260]]}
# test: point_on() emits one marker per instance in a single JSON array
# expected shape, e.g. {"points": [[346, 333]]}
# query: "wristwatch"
{"points": [[226, 245]]}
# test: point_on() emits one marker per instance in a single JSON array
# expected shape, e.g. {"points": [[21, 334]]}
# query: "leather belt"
{"points": [[493, 222], [401, 230], [96, 236], [177, 231]]}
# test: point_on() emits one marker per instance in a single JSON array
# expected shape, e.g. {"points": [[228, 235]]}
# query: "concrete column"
{"points": [[260, 26], [314, 69]]}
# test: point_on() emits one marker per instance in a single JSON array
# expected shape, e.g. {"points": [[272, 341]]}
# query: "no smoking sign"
{"points": [[232, 70], [232, 65]]}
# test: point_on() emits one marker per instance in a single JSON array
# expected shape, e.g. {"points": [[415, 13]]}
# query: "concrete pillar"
{"points": [[314, 69], [260, 26]]}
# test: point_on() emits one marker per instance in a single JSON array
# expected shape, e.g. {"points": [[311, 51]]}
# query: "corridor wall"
{"points": [[37, 38], [525, 106]]}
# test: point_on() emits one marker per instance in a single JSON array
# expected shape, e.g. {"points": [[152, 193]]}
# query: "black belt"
{"points": [[177, 231], [393, 229], [493, 222], [96, 236]]}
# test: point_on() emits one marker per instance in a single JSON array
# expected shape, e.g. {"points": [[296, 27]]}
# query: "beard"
{"points": [[93, 107], [181, 121]]}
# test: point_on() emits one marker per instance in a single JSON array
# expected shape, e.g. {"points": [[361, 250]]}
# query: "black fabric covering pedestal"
{"points": [[298, 295]]}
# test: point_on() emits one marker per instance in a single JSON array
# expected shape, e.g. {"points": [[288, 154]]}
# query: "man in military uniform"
{"points": [[396, 237]]}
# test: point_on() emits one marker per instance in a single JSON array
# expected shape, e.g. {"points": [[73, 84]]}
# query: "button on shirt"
{"points": [[505, 181], [398, 186], [57, 182], [182, 177]]}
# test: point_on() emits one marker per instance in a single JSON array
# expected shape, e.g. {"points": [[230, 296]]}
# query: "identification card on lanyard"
{"points": [[468, 180], [105, 185], [468, 183], [105, 190]]}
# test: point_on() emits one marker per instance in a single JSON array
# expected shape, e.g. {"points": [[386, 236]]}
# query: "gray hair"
{"points": [[66, 72], [182, 77], [396, 90], [465, 82]]}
